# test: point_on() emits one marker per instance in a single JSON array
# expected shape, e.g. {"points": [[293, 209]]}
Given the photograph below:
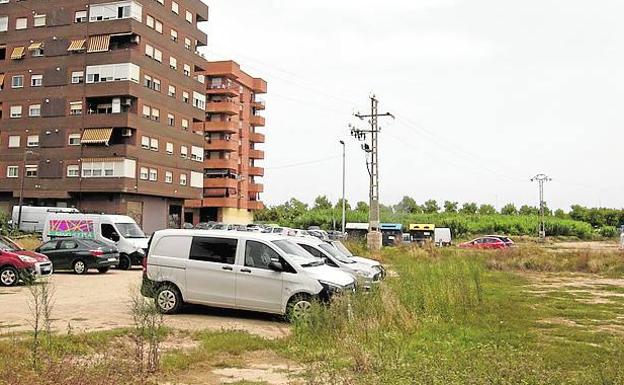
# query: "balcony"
{"points": [[255, 205], [256, 171], [258, 104], [225, 107], [256, 137], [229, 127], [230, 164], [256, 154], [219, 202], [221, 145], [220, 183], [232, 90], [256, 188], [257, 120]]}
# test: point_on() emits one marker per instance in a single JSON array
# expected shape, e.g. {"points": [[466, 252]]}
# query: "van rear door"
{"points": [[210, 274]]}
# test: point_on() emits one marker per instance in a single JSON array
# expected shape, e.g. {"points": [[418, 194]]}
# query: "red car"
{"points": [[17, 263], [484, 243]]}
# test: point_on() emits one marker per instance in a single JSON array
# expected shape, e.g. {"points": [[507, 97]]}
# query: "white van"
{"points": [[33, 217], [241, 270], [118, 230], [442, 236]]}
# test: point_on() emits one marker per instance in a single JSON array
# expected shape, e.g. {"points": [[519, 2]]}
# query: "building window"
{"points": [[34, 110], [113, 73], [149, 51], [32, 141], [153, 144], [187, 70], [183, 179], [149, 21], [119, 10], [75, 108], [77, 77], [185, 124], [174, 35], [17, 81], [12, 171], [187, 43], [185, 96], [144, 173], [173, 63], [4, 23], [170, 120], [14, 141], [80, 17], [16, 112], [147, 81], [158, 26], [189, 17], [168, 177], [169, 148], [172, 91], [36, 80], [153, 175], [175, 8], [155, 114], [184, 152], [199, 100], [147, 111], [157, 55], [73, 171], [39, 20], [145, 142], [21, 23], [74, 140], [31, 171], [156, 85], [37, 52]]}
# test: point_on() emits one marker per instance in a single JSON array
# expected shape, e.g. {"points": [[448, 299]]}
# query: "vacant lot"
{"points": [[98, 302]]}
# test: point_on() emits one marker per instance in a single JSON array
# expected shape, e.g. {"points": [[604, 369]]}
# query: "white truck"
{"points": [[442, 236], [33, 217], [118, 230]]}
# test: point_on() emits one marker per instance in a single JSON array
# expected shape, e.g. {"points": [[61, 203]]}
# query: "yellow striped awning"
{"points": [[96, 136], [1, 80], [35, 46], [18, 53], [98, 43], [77, 45]]}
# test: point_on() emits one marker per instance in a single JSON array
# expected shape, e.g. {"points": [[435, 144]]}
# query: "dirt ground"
{"points": [[101, 302], [583, 245]]}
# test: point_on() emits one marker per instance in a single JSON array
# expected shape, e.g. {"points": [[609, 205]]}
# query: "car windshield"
{"points": [[130, 230], [7, 245], [342, 248], [331, 250], [298, 254]]}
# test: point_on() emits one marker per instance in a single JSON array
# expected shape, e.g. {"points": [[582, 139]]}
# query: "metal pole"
{"points": [[541, 179], [344, 204]]}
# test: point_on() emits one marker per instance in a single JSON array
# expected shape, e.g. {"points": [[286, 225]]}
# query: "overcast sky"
{"points": [[487, 93]]}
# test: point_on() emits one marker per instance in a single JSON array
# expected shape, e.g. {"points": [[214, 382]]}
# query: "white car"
{"points": [[367, 261], [241, 270], [366, 274]]}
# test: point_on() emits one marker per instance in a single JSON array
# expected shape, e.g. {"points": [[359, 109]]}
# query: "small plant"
{"points": [[148, 332], [41, 305]]}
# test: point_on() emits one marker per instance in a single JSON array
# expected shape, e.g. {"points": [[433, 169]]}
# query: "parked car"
{"points": [[367, 261], [503, 238], [241, 270], [79, 255], [484, 243], [187, 225], [18, 264], [365, 274], [117, 231], [204, 225]]}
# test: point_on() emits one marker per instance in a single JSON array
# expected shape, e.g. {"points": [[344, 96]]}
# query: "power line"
{"points": [[541, 179], [316, 161]]}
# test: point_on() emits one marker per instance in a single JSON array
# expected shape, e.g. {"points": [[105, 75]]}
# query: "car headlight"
{"points": [[361, 273], [332, 288], [27, 259]]}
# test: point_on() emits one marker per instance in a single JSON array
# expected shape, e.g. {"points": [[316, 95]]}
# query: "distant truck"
{"points": [[392, 233], [116, 230], [421, 233], [442, 236], [356, 230], [33, 217]]}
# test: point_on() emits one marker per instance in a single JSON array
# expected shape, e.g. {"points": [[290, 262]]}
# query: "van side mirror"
{"points": [[276, 266]]}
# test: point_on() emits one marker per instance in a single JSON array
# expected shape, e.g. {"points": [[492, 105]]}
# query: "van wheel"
{"points": [[299, 307], [103, 270], [124, 262], [79, 267], [168, 299], [8, 276]]}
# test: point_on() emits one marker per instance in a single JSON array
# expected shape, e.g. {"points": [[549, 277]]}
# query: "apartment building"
{"points": [[232, 132], [102, 106]]}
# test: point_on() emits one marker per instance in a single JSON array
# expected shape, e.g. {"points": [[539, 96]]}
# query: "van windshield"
{"points": [[298, 254], [342, 248], [335, 253], [130, 230]]}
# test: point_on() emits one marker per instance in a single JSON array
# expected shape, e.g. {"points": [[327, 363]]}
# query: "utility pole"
{"points": [[21, 197], [344, 204], [541, 179], [374, 235]]}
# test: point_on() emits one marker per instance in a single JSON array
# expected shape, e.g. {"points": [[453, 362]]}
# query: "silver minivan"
{"points": [[241, 270]]}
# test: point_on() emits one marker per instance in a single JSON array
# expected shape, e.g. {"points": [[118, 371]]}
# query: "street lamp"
{"points": [[21, 196], [344, 204]]}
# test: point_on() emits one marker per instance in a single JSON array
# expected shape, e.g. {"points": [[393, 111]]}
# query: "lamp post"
{"points": [[344, 204], [21, 196]]}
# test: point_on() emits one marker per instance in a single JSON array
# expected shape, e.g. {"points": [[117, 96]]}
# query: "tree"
{"points": [[528, 210], [431, 207], [486, 209], [509, 209], [361, 206], [469, 208], [408, 205], [450, 207], [339, 204], [559, 213], [322, 202]]}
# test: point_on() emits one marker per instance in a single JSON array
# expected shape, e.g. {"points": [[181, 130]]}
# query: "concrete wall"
{"points": [[235, 216]]}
